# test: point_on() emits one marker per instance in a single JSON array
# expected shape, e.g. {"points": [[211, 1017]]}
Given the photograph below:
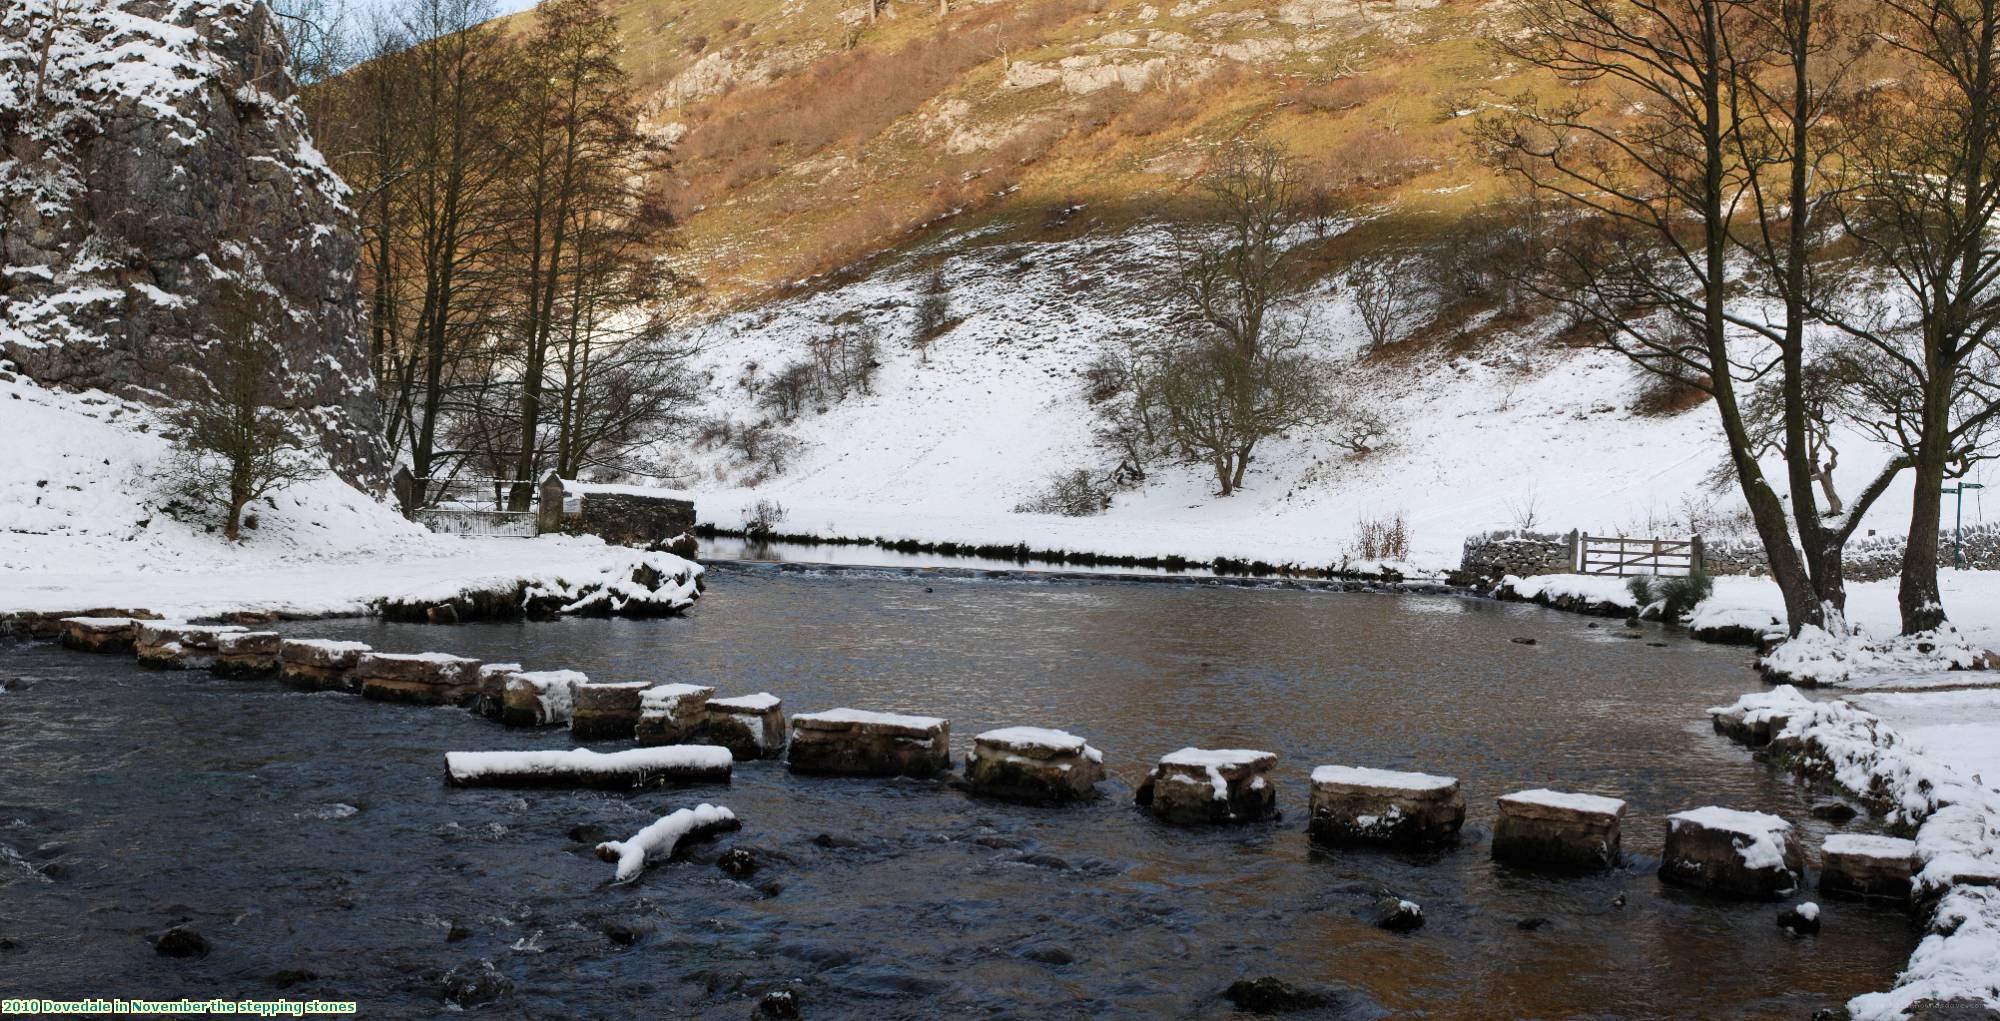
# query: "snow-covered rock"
{"points": [[1194, 786], [540, 698], [750, 726], [672, 713], [857, 742], [1352, 804], [423, 678], [1033, 764], [631, 769], [1544, 829], [1748, 854], [658, 841], [320, 664]]}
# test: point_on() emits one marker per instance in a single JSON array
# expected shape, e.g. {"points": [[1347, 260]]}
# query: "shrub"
{"points": [[1382, 538], [1072, 494], [1683, 593], [1642, 591], [761, 520]]}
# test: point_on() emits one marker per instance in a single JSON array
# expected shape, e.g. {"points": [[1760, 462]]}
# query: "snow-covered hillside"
{"points": [[944, 450], [82, 527]]}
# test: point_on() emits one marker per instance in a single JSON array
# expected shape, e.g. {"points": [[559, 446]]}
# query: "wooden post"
{"points": [[1576, 550], [1697, 559]]}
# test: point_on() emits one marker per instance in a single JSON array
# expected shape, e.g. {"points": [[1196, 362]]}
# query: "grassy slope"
{"points": [[849, 148]]}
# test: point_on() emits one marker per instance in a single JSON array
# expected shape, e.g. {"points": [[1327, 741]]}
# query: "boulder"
{"points": [[1211, 785], [606, 712], [247, 654], [100, 634], [1859, 865], [1033, 765], [1752, 726], [1744, 854], [750, 726], [854, 742], [672, 713], [1558, 831], [1357, 805], [540, 698], [318, 664], [174, 646], [631, 769], [492, 688], [418, 678]]}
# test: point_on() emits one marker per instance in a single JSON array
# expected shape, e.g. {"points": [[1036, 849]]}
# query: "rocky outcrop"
{"points": [[152, 154]]}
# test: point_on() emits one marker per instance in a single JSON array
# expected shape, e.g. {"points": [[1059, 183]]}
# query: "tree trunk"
{"points": [[1918, 597]]}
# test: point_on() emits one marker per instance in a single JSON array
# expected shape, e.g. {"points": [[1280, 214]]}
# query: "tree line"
{"points": [[512, 240]]}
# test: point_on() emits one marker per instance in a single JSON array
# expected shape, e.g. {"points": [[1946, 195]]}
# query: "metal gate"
{"points": [[466, 506]]}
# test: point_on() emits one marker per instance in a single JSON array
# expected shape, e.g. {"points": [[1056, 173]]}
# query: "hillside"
{"points": [[808, 136]]}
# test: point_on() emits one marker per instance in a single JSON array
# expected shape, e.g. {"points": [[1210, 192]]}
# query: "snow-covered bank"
{"points": [[1956, 818], [82, 525]]}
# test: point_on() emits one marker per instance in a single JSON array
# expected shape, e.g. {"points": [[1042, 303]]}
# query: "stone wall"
{"points": [[152, 154], [1494, 555], [1868, 559], [628, 515]]}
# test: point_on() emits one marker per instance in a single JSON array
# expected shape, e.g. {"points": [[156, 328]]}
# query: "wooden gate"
{"points": [[1601, 554]]}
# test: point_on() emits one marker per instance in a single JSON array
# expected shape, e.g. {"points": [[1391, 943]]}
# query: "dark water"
{"points": [[312, 834]]}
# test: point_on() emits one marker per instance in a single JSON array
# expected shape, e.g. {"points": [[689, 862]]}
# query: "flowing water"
{"points": [[311, 839]]}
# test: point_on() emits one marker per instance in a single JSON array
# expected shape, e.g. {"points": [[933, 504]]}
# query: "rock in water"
{"points": [[1270, 995], [1800, 919], [181, 941], [165, 142], [1397, 915], [474, 983]]}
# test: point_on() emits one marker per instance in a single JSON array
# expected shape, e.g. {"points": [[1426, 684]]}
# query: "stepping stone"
{"points": [[166, 645], [247, 654], [540, 698], [631, 769], [1558, 831], [855, 742], [1194, 786], [1744, 854], [1753, 727], [1860, 865], [493, 688], [100, 634], [672, 713], [1357, 805], [606, 712], [1033, 765], [418, 678], [750, 726], [319, 664]]}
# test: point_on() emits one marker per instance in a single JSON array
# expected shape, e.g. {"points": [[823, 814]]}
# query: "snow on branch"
{"points": [[657, 841]]}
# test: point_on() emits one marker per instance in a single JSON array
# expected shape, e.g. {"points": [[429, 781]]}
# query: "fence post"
{"points": [[1697, 559], [1576, 550]]}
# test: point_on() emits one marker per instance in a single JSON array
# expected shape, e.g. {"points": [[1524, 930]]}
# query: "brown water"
{"points": [[311, 835]]}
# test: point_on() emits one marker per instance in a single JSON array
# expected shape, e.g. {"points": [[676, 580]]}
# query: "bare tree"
{"points": [[231, 441], [1388, 289], [1649, 160], [1230, 373], [933, 313]]}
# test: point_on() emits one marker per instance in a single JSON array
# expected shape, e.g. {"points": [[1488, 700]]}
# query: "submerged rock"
{"points": [[739, 862], [474, 983], [181, 941], [1398, 915], [1800, 919], [1269, 995], [779, 1003]]}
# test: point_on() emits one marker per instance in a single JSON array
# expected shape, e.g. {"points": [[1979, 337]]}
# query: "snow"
{"points": [[1869, 845], [436, 658], [1060, 742], [1955, 959], [1211, 758], [82, 525], [666, 698], [761, 702], [845, 717], [1808, 911], [1591, 803], [1362, 776], [658, 840], [473, 765], [330, 646], [1759, 836], [555, 692]]}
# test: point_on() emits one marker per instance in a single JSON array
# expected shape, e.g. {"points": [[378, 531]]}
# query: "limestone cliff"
{"points": [[150, 150]]}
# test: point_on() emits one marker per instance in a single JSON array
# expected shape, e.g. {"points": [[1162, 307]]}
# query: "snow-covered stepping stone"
{"points": [[247, 654], [606, 712], [750, 726], [1747, 854], [855, 742], [1754, 719], [1544, 829], [540, 698], [658, 841], [672, 713], [1860, 865], [631, 769], [169, 645], [422, 678], [1034, 765], [1211, 785], [492, 687], [100, 634], [1357, 805], [320, 664]]}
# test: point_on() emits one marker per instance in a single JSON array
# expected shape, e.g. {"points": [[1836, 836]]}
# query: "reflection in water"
{"points": [[166, 795]]}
